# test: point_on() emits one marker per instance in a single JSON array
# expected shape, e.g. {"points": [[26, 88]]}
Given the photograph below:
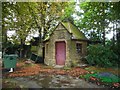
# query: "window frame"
{"points": [[79, 47]]}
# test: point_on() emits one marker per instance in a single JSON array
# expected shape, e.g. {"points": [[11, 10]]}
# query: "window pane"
{"points": [[79, 47]]}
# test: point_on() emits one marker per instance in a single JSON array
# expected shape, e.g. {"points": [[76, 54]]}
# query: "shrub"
{"points": [[101, 55]]}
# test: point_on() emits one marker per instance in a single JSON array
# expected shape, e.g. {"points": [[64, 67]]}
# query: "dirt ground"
{"points": [[30, 75]]}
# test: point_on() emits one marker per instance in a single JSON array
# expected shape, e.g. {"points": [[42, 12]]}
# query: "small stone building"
{"points": [[65, 46]]}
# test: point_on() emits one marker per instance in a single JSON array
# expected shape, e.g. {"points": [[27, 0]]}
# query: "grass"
{"points": [[46, 66], [66, 68], [99, 75], [115, 71]]}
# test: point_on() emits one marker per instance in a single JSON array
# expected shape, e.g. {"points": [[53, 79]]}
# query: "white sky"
{"points": [[10, 33], [110, 35]]}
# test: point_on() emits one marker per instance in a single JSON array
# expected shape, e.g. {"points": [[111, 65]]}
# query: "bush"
{"points": [[101, 56]]}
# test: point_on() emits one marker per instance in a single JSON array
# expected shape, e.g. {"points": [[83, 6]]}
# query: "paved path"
{"points": [[52, 81]]}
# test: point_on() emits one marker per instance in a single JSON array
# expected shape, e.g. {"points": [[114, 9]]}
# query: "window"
{"points": [[79, 47]]}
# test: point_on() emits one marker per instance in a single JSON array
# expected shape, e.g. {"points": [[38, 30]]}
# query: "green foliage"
{"points": [[25, 18], [69, 10], [116, 49], [66, 68], [93, 19], [101, 55], [106, 77], [87, 76]]}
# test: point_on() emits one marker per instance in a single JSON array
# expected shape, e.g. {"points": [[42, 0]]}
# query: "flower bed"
{"points": [[104, 78]]}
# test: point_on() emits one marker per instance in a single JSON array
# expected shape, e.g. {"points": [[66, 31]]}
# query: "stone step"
{"points": [[58, 66], [82, 65]]}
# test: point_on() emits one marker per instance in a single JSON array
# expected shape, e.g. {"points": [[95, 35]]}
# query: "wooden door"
{"points": [[60, 48]]}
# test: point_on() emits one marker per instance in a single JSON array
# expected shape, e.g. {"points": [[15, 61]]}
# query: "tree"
{"points": [[94, 19], [18, 19], [23, 18], [6, 18], [116, 28], [52, 12]]}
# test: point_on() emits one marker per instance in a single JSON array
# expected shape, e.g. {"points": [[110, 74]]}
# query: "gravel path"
{"points": [[52, 81]]}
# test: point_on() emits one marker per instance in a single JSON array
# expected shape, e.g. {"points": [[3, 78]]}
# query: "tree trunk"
{"points": [[113, 34], [4, 36], [22, 49], [104, 37]]}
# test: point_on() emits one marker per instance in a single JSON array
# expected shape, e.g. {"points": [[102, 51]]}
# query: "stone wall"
{"points": [[61, 34], [75, 57]]}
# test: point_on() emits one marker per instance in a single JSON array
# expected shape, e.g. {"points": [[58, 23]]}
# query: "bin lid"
{"points": [[11, 55]]}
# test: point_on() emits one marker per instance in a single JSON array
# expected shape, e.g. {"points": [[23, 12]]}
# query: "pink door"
{"points": [[60, 54]]}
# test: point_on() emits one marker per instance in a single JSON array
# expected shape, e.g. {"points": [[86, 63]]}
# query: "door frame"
{"points": [[65, 50]]}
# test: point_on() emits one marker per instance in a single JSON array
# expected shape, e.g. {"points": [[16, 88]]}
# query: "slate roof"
{"points": [[77, 34]]}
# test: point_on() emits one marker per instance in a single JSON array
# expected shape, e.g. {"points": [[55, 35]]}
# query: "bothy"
{"points": [[65, 46]]}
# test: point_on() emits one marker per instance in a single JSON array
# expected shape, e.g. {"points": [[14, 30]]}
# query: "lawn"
{"points": [[101, 69], [103, 76]]}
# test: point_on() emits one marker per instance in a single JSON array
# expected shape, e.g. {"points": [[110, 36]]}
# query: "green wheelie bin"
{"points": [[10, 61]]}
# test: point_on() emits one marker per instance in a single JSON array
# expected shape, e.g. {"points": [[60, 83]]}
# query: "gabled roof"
{"points": [[76, 33]]}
